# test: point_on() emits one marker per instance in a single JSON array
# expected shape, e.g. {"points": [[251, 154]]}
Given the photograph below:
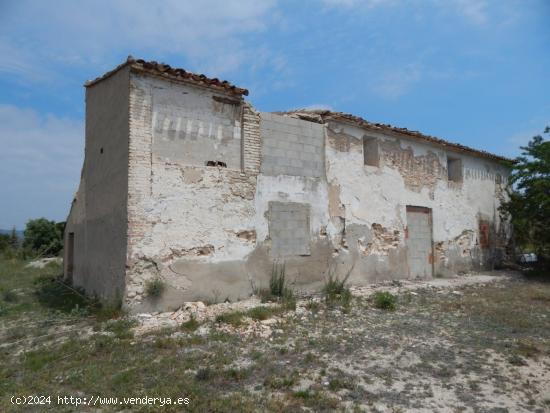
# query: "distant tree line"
{"points": [[42, 238]]}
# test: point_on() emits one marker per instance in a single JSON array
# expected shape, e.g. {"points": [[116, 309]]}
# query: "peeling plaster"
{"points": [[203, 227]]}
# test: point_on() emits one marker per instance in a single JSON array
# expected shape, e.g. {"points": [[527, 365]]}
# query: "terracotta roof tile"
{"points": [[171, 73], [322, 116]]}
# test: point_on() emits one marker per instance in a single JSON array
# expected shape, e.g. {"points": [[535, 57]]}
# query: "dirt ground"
{"points": [[475, 343]]}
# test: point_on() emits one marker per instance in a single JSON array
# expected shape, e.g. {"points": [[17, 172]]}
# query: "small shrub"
{"points": [[58, 294], [336, 290], [234, 318], [516, 360], [385, 300], [154, 287], [109, 310], [527, 348], [263, 312], [277, 282], [336, 384], [310, 357], [165, 343], [278, 289], [9, 296], [190, 325], [289, 301], [121, 328], [204, 374], [38, 359], [276, 382], [303, 394], [312, 306], [237, 374]]}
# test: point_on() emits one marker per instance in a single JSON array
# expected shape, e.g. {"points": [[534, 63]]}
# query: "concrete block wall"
{"points": [[291, 146], [289, 229]]}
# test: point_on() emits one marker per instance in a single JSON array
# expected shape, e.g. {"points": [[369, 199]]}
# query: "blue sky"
{"points": [[470, 71]]}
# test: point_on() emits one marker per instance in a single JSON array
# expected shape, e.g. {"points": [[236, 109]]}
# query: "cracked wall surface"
{"points": [[216, 193], [412, 173]]}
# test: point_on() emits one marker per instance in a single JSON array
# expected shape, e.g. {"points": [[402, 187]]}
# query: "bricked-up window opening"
{"points": [[370, 151], [454, 169], [289, 229]]}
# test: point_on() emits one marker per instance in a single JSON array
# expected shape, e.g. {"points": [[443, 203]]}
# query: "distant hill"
{"points": [[8, 231]]}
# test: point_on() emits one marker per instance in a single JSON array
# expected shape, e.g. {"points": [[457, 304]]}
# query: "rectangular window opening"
{"points": [[454, 169], [370, 151]]}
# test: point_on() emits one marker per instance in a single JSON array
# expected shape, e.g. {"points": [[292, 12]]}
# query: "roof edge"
{"points": [[170, 73], [323, 116]]}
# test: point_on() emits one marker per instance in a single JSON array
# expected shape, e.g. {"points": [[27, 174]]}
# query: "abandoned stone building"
{"points": [[183, 180]]}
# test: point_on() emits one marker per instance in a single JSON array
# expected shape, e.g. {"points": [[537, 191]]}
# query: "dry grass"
{"points": [[484, 350]]}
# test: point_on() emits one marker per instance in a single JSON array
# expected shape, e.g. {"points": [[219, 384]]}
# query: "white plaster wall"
{"points": [[195, 214], [189, 218], [187, 205], [286, 188], [379, 194]]}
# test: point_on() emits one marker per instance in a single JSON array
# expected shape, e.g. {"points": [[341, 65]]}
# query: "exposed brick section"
{"points": [[251, 140], [139, 168], [417, 171]]}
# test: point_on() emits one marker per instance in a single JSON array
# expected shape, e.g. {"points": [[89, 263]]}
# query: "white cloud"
{"points": [[355, 3], [40, 161], [394, 83], [473, 10], [207, 33]]}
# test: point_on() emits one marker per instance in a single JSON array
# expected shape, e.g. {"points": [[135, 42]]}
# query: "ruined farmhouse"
{"points": [[184, 181]]}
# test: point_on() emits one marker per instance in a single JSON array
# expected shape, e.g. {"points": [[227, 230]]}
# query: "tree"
{"points": [[43, 237], [529, 203], [14, 239], [4, 242]]}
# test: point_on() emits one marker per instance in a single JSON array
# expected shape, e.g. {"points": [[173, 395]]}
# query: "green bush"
{"points": [[154, 287], [279, 290], [263, 313], [43, 237], [385, 300], [121, 328], [190, 325], [234, 318], [336, 290], [9, 296], [4, 242], [58, 294], [277, 282]]}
